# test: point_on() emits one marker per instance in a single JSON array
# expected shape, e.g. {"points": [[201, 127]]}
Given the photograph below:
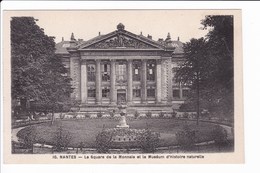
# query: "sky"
{"points": [[184, 24]]}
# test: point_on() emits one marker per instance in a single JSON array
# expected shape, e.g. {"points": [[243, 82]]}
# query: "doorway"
{"points": [[121, 96]]}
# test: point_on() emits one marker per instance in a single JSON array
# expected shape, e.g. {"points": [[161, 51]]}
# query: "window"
{"points": [[105, 71], [150, 92], [174, 71], [151, 70], [121, 72], [91, 93], [185, 93], [136, 93], [136, 71], [176, 93], [105, 93], [91, 72]]}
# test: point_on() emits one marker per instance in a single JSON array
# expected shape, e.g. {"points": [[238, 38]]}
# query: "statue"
{"points": [[122, 121]]}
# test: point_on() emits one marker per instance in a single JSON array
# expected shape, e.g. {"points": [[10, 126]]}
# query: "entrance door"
{"points": [[121, 96]]}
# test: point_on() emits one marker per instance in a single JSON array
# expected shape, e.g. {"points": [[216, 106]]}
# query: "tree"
{"points": [[221, 42], [195, 70], [37, 73], [208, 67]]}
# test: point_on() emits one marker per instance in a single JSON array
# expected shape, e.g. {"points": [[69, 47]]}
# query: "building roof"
{"points": [[178, 47], [61, 47]]}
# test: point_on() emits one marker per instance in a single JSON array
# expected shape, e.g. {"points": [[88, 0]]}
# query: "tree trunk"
{"points": [[198, 102], [52, 117]]}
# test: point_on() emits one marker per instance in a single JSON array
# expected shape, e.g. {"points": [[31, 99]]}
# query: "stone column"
{"points": [[169, 69], [158, 81], [83, 82], [113, 82], [144, 81], [129, 81], [98, 82]]}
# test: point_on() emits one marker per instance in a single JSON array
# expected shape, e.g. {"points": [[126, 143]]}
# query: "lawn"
{"points": [[85, 130]]}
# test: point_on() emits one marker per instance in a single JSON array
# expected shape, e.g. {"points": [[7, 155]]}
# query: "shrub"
{"points": [[219, 135], [99, 114], [136, 114], [148, 141], [112, 113], [103, 141], [149, 114], [28, 136], [61, 139], [186, 138], [174, 114], [62, 116], [185, 115], [161, 114]]}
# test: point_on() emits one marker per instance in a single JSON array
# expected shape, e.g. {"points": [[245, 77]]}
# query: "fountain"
{"points": [[122, 136]]}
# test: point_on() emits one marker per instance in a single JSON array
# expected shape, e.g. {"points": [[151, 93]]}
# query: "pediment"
{"points": [[119, 40]]}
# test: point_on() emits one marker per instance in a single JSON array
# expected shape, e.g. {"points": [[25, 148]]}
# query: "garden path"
{"points": [[14, 134]]}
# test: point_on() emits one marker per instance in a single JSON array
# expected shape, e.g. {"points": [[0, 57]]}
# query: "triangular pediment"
{"points": [[122, 40]]}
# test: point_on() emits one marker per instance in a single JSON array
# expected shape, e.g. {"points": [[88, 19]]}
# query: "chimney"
{"points": [[149, 36], [178, 39], [62, 39], [72, 38], [99, 33], [141, 33]]}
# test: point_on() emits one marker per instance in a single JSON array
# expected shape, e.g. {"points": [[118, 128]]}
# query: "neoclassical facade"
{"points": [[124, 67]]}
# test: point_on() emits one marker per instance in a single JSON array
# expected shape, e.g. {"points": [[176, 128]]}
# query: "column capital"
{"points": [[158, 61], [97, 60], [129, 60]]}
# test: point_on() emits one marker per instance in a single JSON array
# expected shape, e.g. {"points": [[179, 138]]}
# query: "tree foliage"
{"points": [[37, 73], [208, 67]]}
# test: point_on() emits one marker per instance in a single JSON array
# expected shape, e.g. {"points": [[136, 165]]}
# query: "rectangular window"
{"points": [[137, 70], [151, 93], [151, 70], [176, 93], [91, 93], [136, 93], [105, 93], [174, 71], [121, 72], [91, 72], [185, 93], [105, 71]]}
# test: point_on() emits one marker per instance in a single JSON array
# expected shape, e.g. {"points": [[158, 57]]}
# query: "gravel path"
{"points": [[14, 134], [229, 131]]}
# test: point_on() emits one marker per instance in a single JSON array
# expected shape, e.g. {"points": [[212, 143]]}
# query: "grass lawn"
{"points": [[86, 130]]}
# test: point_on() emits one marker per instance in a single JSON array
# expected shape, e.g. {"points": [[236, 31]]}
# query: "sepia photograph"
{"points": [[124, 85]]}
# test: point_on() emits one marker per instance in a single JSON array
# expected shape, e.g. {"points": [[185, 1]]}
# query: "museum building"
{"points": [[122, 67]]}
